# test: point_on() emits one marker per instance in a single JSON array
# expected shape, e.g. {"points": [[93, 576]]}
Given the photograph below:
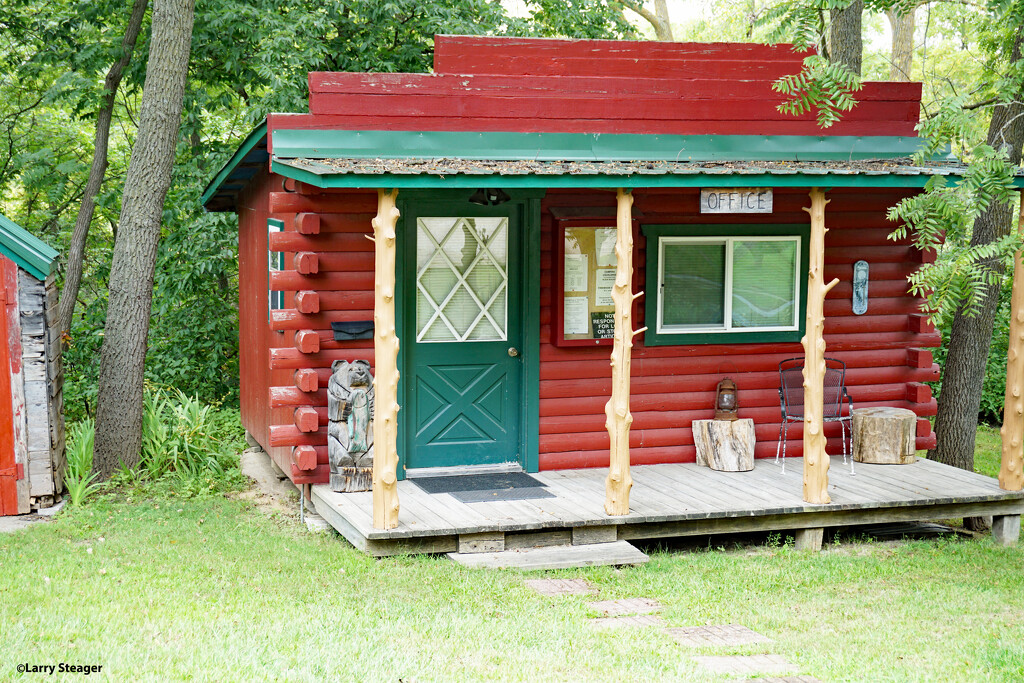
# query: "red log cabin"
{"points": [[509, 165]]}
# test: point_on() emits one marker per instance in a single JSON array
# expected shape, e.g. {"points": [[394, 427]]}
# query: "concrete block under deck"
{"points": [[673, 500]]}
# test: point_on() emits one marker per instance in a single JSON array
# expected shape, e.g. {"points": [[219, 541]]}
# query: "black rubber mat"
{"points": [[477, 482]]}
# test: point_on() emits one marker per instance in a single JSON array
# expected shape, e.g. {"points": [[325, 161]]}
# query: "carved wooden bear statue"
{"points": [[350, 403]]}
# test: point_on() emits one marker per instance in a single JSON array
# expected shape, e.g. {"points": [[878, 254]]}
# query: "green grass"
{"points": [[988, 451], [210, 588]]}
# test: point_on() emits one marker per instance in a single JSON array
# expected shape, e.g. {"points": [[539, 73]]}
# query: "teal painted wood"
{"points": [[652, 232], [469, 403], [510, 146], [25, 249], [230, 172]]}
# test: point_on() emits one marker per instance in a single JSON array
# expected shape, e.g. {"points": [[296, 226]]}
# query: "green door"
{"points": [[462, 344]]}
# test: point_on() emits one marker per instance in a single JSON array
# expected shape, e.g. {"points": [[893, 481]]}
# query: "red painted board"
{"points": [[593, 126], [325, 84], [8, 468]]}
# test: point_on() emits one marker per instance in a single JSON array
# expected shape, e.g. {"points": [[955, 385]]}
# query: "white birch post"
{"points": [[815, 458], [619, 419], [385, 354], [1011, 476]]}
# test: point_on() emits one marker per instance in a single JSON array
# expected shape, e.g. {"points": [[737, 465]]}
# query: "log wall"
{"points": [[886, 350]]}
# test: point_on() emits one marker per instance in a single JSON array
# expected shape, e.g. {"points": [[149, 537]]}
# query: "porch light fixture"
{"points": [[726, 405], [491, 197]]}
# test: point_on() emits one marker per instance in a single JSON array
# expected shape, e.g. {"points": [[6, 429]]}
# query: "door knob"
{"points": [[513, 351]]}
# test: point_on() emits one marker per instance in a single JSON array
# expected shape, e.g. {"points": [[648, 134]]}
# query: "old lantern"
{"points": [[725, 400]]}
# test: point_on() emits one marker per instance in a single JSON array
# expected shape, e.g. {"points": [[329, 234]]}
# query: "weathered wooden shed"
{"points": [[537, 183], [31, 410]]}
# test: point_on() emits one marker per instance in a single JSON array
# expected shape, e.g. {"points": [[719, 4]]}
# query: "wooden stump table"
{"points": [[725, 445], [884, 435]]}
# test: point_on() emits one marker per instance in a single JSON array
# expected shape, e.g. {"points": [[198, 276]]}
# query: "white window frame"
{"points": [[728, 241]]}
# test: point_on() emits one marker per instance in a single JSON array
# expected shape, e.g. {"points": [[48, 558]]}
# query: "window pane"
{"points": [[693, 284], [461, 278], [763, 283]]}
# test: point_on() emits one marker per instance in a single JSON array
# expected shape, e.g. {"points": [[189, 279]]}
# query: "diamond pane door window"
{"points": [[461, 279]]}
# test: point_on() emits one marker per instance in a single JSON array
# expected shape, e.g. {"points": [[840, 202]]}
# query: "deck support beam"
{"points": [[1011, 471], [618, 417], [815, 458], [385, 355]]}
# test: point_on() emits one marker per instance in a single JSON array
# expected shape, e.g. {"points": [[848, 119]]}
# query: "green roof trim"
{"points": [[28, 251], [229, 170], [501, 146]]}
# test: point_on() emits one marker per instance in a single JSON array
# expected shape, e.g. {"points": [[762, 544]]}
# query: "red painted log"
{"points": [[307, 224], [291, 202], [289, 435], [306, 379], [291, 319], [307, 341], [290, 359], [919, 393], [919, 358], [307, 263], [282, 397], [304, 458], [324, 242], [920, 324], [306, 419], [320, 475], [307, 301], [293, 281]]}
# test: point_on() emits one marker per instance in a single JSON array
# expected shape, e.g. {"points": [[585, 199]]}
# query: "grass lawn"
{"points": [[215, 589]]}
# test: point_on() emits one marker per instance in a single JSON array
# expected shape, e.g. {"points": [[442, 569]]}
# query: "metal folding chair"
{"points": [[791, 401]]}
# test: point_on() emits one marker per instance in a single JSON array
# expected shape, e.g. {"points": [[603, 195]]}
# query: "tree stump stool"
{"points": [[884, 435], [725, 445]]}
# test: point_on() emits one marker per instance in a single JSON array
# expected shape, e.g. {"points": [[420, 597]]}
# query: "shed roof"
{"points": [[25, 249]]}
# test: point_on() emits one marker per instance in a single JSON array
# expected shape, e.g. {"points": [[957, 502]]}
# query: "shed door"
{"points": [[463, 361]]}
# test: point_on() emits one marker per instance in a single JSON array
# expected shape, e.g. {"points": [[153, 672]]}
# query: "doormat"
{"points": [[521, 493], [477, 482]]}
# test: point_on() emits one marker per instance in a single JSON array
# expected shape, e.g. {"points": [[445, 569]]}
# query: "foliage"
{"points": [[183, 440], [249, 57], [79, 479], [188, 446], [820, 85]]}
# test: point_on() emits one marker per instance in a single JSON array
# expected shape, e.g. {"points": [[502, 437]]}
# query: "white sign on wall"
{"points": [[736, 200]]}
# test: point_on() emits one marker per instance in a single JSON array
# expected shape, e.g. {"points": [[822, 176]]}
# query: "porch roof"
{"points": [[468, 159]]}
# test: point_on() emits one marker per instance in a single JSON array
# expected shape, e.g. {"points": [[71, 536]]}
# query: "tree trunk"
{"points": [[659, 18], [122, 360], [902, 56], [845, 44], [956, 421], [76, 251], [663, 28]]}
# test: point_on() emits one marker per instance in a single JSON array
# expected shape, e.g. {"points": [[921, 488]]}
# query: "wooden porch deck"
{"points": [[672, 500]]}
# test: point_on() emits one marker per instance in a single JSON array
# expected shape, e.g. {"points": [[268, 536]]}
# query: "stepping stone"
{"points": [[627, 622], [555, 587], [618, 608], [729, 635], [747, 664], [555, 557], [785, 679]]}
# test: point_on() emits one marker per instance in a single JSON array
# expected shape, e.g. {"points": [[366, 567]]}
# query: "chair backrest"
{"points": [[791, 385]]}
